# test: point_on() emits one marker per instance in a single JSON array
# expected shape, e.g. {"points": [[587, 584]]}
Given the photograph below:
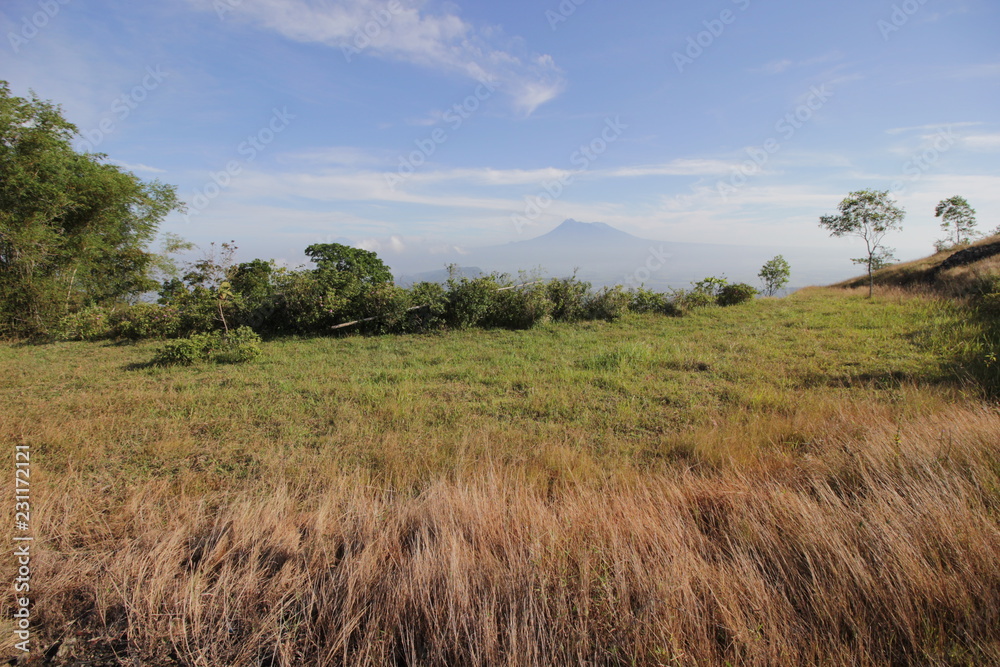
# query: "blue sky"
{"points": [[415, 127]]}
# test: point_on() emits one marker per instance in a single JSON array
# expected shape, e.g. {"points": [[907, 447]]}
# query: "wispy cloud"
{"points": [[409, 33], [982, 142], [932, 127], [139, 167], [774, 67]]}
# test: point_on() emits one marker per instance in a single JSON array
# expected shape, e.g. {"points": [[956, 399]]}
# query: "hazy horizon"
{"points": [[424, 130]]}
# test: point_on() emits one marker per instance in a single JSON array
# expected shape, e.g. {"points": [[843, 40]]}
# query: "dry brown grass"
{"points": [[873, 547], [919, 276]]}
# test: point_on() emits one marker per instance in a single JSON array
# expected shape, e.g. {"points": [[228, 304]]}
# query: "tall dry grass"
{"points": [[877, 545]]}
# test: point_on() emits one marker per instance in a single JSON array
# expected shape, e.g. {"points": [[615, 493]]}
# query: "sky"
{"points": [[413, 128]]}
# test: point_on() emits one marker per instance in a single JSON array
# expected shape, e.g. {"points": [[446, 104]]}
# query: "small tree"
{"points": [[958, 219], [869, 215], [774, 275]]}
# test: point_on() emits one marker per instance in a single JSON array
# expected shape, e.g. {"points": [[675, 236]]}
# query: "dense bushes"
{"points": [[218, 309], [262, 298], [242, 344]]}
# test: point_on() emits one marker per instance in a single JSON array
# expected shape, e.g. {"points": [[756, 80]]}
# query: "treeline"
{"points": [[354, 287]]}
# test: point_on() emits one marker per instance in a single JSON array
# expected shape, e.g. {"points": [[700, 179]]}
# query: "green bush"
{"points": [[388, 304], [569, 298], [737, 293], [146, 320], [197, 309], [521, 307], [686, 300], [471, 302], [91, 323], [239, 345], [434, 299], [609, 304], [186, 351], [642, 300]]}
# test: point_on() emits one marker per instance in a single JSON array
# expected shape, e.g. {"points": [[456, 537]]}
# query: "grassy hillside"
{"points": [[927, 273], [794, 481]]}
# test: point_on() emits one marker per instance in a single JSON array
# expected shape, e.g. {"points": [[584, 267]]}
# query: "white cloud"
{"points": [[394, 30], [982, 142], [139, 167], [774, 67], [933, 127]]}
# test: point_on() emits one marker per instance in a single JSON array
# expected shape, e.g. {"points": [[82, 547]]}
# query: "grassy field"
{"points": [[808, 480]]}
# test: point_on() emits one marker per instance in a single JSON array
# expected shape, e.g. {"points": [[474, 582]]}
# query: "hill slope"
{"points": [[952, 272]]}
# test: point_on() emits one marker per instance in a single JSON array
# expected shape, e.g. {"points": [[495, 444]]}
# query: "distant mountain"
{"points": [[604, 255]]}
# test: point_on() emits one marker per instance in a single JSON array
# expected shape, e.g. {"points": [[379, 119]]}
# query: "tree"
{"points": [[335, 258], [73, 228], [346, 276], [774, 275], [957, 218], [869, 215]]}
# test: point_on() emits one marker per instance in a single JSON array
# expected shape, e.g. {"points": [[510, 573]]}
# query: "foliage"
{"points": [[569, 298], [609, 304], [521, 307], [301, 304], [89, 323], [73, 228], [736, 293], [869, 215], [389, 305], [146, 320], [774, 275], [239, 345], [958, 219], [335, 259], [471, 301], [434, 301], [643, 300]]}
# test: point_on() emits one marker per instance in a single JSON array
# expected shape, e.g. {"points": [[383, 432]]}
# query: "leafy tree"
{"points": [[957, 218], [73, 228], [869, 215], [346, 276], [342, 260], [774, 275]]}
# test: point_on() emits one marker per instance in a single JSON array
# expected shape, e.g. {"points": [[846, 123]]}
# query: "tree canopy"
{"points": [[774, 275], [73, 228], [869, 215], [957, 218]]}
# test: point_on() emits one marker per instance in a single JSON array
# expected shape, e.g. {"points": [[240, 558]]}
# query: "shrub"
{"points": [[730, 295], [388, 304], [642, 300], [186, 351], [521, 307], [300, 304], [569, 298], [435, 300], [239, 345], [91, 323], [685, 300], [197, 309], [146, 320], [471, 302], [609, 304]]}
